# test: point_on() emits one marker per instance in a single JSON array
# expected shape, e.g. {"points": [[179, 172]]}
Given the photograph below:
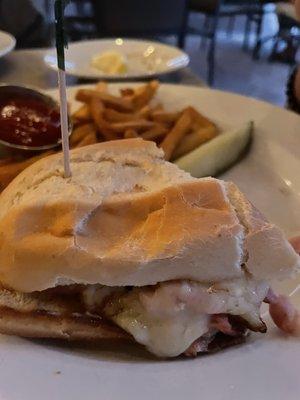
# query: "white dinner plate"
{"points": [[267, 367], [144, 58], [7, 43]]}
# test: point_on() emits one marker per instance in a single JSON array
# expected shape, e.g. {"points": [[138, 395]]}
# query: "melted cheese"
{"points": [[169, 317]]}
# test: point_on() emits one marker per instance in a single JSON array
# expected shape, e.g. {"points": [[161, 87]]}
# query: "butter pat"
{"points": [[110, 62]]}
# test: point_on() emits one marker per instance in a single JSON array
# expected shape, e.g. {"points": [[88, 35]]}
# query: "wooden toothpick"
{"points": [[59, 8]]}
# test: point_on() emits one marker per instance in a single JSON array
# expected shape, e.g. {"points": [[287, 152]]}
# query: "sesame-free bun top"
{"points": [[127, 217]]}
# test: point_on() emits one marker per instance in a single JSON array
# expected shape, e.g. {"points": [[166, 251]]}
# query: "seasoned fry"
{"points": [[157, 131], [80, 132], [130, 133], [180, 129], [84, 95], [83, 114], [117, 103], [144, 94], [144, 112], [7, 160], [101, 86], [127, 92], [157, 107], [116, 116], [97, 109], [165, 117], [137, 125], [193, 140], [199, 119], [9, 171]]}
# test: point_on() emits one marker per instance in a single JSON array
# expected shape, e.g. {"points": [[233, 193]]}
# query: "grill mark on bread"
{"points": [[61, 300], [51, 300], [40, 324]]}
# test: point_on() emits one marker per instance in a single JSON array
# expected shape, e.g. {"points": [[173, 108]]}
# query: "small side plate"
{"points": [[144, 58]]}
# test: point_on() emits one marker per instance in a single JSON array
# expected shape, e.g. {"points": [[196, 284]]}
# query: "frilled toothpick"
{"points": [[61, 43]]}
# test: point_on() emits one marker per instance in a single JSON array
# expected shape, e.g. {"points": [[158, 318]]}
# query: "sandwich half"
{"points": [[132, 248]]}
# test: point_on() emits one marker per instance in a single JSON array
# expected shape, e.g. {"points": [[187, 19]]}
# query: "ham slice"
{"points": [[200, 345], [221, 323], [295, 242], [283, 313]]}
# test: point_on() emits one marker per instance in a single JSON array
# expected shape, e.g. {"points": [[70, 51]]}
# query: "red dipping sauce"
{"points": [[27, 119]]}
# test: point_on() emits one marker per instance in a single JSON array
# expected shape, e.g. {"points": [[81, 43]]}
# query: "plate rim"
{"points": [[10, 47]]}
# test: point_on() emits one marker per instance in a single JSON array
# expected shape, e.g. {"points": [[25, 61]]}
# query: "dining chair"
{"points": [[258, 18], [79, 20], [213, 11], [136, 18], [288, 33]]}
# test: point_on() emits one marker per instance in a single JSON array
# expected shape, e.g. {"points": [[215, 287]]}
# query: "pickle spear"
{"points": [[217, 155]]}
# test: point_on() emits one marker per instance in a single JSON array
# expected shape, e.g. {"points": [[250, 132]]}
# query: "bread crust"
{"points": [[46, 315], [267, 253], [127, 217], [44, 325]]}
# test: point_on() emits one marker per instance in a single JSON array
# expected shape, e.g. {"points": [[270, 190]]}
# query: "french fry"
{"points": [[117, 103], [143, 94], [127, 92], [97, 110], [137, 125], [165, 117], [83, 114], [130, 133], [9, 171], [101, 86], [157, 107], [85, 95], [7, 160], [90, 138], [179, 130], [80, 132], [144, 112], [116, 116], [194, 140], [156, 132], [199, 119]]}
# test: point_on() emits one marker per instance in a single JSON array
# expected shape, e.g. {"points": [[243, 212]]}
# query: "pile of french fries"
{"points": [[133, 114], [103, 116]]}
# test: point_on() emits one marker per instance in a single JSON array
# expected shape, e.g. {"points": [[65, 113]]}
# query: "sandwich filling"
{"points": [[169, 318]]}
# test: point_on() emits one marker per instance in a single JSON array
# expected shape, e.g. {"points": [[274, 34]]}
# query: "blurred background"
{"points": [[244, 46]]}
